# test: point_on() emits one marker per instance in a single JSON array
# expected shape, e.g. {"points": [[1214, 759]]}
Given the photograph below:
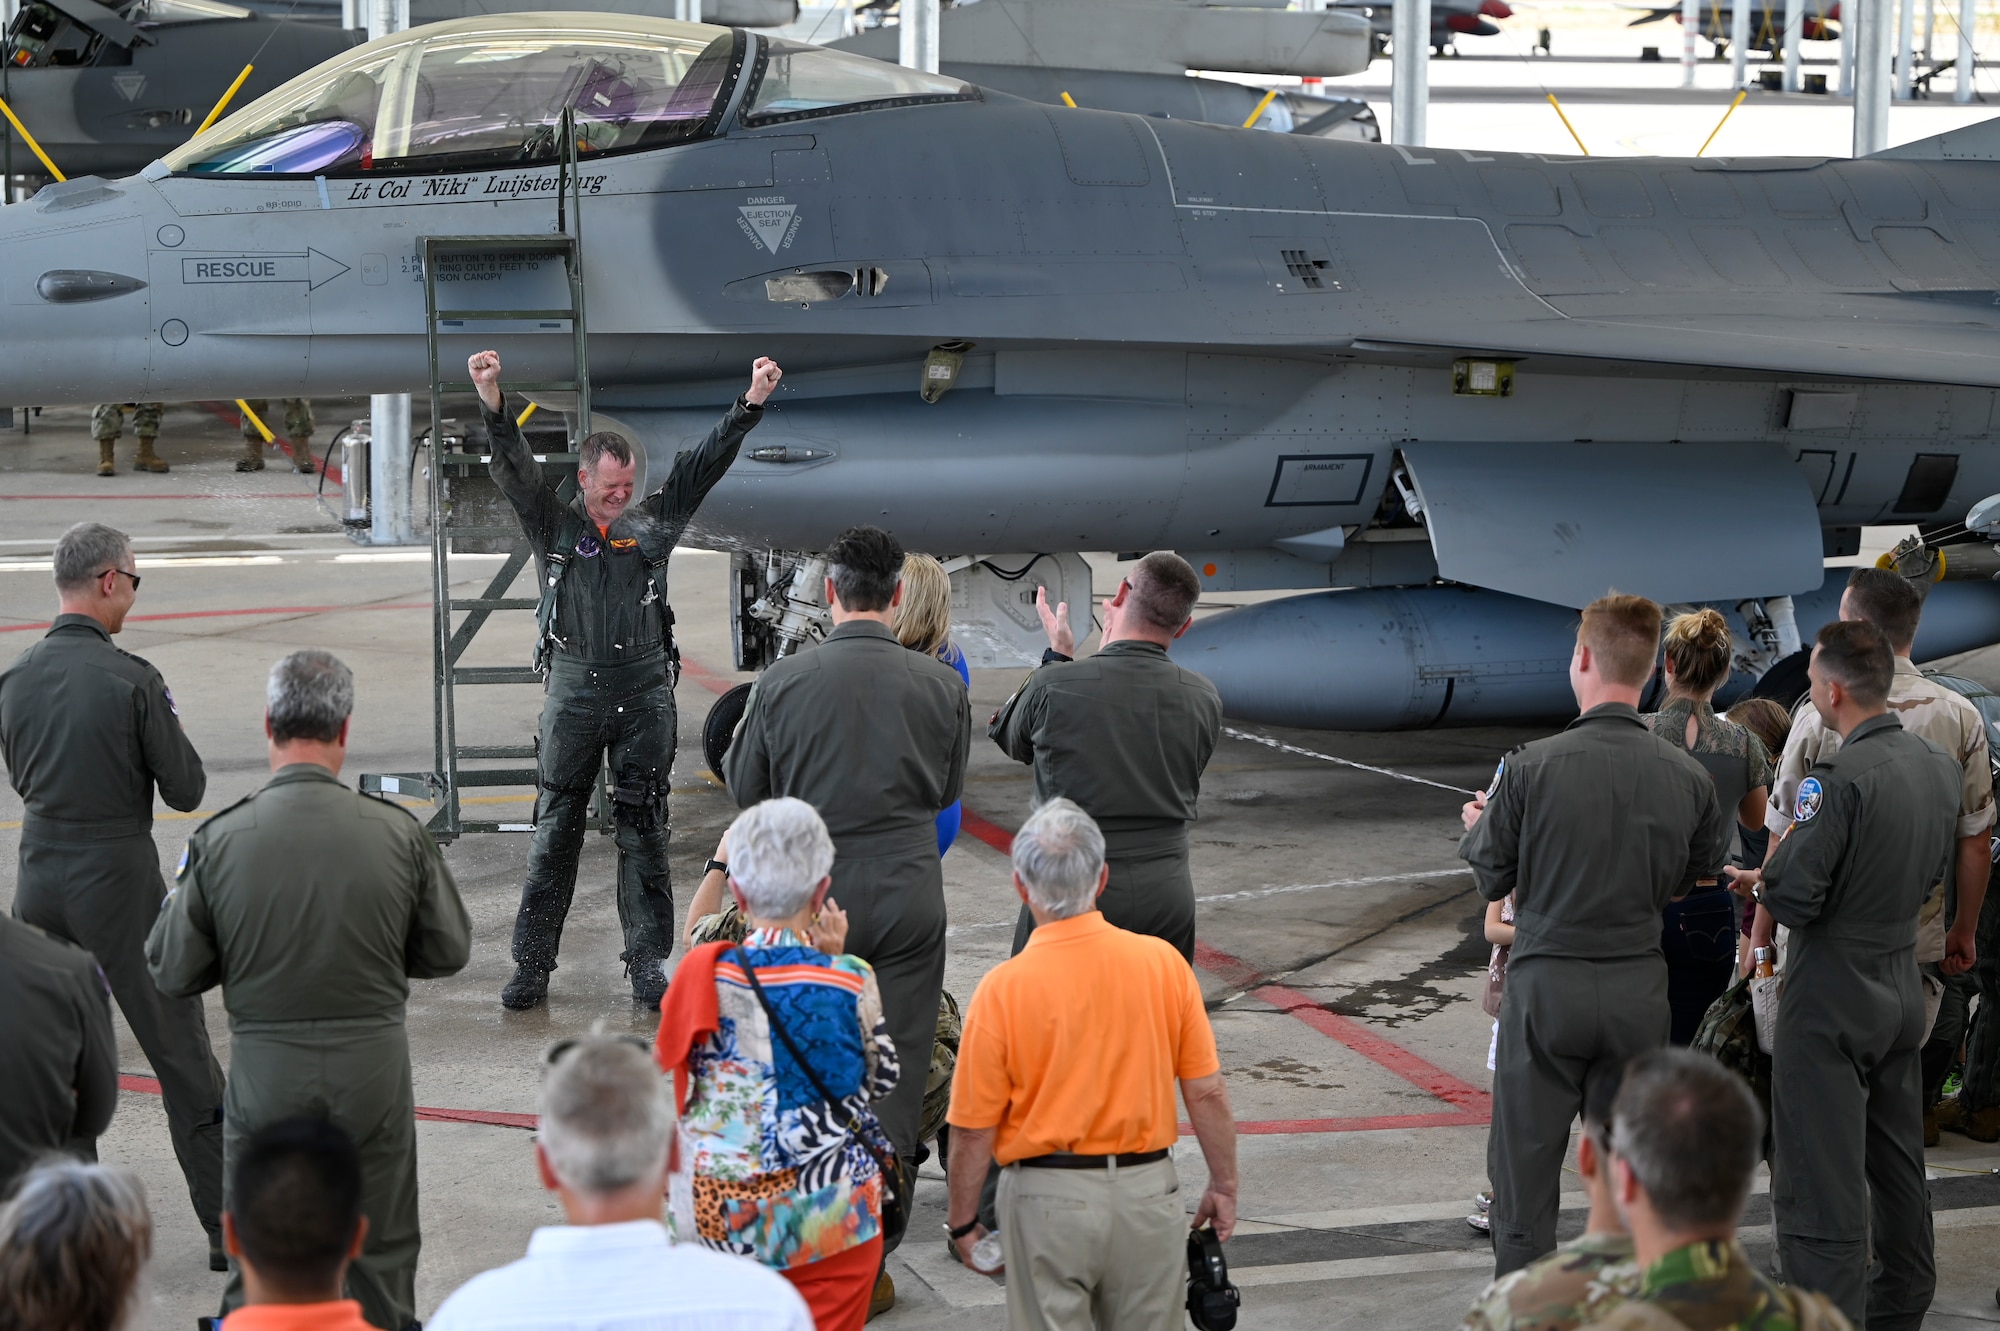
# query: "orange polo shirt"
{"points": [[340, 1315], [1075, 1044]]}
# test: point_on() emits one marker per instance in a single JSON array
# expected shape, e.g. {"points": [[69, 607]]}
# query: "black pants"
{"points": [[1564, 1024], [104, 896], [627, 711], [1698, 938]]}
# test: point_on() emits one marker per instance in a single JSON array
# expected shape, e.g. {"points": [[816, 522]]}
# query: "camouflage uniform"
{"points": [[1577, 1283], [1713, 1286], [299, 425], [107, 422]]}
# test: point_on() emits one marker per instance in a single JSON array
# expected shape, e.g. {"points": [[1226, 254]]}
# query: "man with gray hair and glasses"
{"points": [[314, 906], [89, 733], [604, 1146], [1065, 1077]]}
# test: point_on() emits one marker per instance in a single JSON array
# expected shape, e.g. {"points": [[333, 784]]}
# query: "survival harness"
{"points": [[559, 559]]}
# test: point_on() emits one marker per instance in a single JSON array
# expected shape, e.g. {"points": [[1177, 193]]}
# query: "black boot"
{"points": [[529, 988]]}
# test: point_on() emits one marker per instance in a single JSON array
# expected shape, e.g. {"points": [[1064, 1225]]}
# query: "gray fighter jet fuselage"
{"points": [[1302, 363]]}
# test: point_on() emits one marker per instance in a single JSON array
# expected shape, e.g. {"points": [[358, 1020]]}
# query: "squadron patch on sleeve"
{"points": [[1811, 797], [172, 706], [1498, 772], [187, 858]]}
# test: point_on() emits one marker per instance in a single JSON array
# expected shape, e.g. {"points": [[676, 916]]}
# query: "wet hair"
{"points": [[865, 563], [74, 1238], [1699, 645], [309, 696], [923, 616], [295, 1200], [605, 1115], [603, 444], [1623, 634], [1059, 855], [1765, 718], [1691, 1133], [1165, 588], [1855, 654], [1889, 601], [85, 551], [778, 852]]}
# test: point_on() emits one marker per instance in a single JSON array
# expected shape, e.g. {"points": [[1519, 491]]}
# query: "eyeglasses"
{"points": [[555, 1051], [121, 572]]}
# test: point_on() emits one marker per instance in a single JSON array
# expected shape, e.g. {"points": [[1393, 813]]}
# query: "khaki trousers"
{"points": [[1089, 1248]]}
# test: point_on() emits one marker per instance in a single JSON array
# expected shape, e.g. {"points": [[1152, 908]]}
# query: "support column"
{"points": [[1906, 49], [1410, 72], [1739, 44], [1968, 15], [1871, 76], [389, 470], [1795, 23], [687, 11], [1690, 33], [1845, 83], [917, 34], [389, 413]]}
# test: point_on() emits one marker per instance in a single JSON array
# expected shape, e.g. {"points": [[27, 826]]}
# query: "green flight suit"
{"points": [[874, 736], [313, 906], [58, 1056], [1594, 830], [610, 689], [89, 732], [1125, 733], [1874, 826]]}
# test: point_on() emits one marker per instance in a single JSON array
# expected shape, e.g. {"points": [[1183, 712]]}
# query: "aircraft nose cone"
{"points": [[1495, 9], [73, 286]]}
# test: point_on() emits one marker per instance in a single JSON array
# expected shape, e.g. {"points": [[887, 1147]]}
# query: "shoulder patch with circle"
{"points": [[1498, 772], [1811, 797]]}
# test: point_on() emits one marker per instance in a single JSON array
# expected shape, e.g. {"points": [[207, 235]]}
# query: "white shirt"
{"points": [[626, 1277]]}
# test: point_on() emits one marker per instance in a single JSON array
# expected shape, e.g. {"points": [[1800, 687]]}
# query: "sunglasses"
{"points": [[122, 573], [554, 1052]]}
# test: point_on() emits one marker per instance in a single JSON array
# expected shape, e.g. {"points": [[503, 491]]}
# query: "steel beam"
{"points": [[1871, 76], [1410, 72], [917, 35]]}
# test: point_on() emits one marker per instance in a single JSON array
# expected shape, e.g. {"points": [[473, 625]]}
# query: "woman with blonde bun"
{"points": [[923, 624], [1699, 931]]}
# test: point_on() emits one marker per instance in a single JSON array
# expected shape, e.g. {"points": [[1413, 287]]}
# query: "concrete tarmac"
{"points": [[1340, 949]]}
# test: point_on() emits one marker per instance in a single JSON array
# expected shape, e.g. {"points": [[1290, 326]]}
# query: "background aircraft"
{"points": [[1767, 23], [1470, 390]]}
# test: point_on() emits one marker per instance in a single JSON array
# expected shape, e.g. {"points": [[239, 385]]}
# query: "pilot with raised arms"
{"points": [[606, 641]]}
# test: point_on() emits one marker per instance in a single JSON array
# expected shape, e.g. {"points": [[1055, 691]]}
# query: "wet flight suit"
{"points": [[610, 687], [1125, 733], [874, 736], [88, 732], [58, 1055], [1593, 830], [313, 906], [1873, 828]]}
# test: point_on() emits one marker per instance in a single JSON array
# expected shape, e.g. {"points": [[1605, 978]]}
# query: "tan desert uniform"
{"points": [[313, 906], [1939, 715]]}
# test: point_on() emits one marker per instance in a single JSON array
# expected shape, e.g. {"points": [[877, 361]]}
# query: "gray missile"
{"points": [[1412, 658]]}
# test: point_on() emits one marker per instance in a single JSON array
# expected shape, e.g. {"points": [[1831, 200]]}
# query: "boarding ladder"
{"points": [[469, 514]]}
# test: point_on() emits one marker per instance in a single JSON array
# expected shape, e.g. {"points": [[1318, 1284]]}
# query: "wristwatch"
{"points": [[714, 866], [957, 1232], [1050, 656]]}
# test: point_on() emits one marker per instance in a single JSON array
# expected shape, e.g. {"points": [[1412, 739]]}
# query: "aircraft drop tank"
{"points": [[1393, 659]]}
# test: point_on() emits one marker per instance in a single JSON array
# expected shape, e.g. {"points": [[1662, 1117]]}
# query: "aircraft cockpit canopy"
{"points": [[491, 92]]}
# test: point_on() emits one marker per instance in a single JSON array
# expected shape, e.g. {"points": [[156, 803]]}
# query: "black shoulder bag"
{"points": [[895, 1183]]}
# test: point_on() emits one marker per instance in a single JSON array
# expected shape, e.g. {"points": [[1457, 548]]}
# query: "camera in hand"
{"points": [[1211, 1300]]}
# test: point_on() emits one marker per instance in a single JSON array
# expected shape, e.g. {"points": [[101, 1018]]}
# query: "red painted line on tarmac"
{"points": [[485, 1118], [991, 833], [708, 679], [262, 610]]}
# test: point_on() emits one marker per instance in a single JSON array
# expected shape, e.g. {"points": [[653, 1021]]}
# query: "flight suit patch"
{"points": [[187, 857], [587, 547], [1498, 772], [629, 544], [1811, 797], [172, 706]]}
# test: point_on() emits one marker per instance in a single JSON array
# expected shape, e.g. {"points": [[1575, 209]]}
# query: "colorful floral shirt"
{"points": [[767, 1169]]}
